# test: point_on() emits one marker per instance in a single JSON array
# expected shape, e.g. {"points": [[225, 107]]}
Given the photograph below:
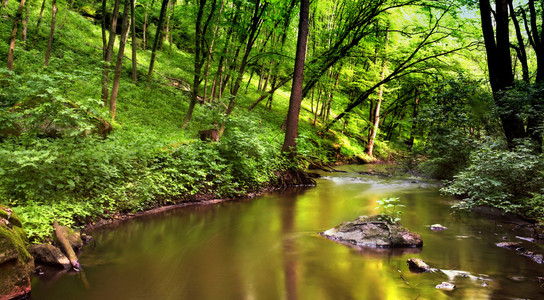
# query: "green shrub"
{"points": [[501, 179]]}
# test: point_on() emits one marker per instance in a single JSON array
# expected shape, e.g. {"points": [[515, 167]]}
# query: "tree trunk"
{"points": [[133, 29], [291, 132], [68, 8], [13, 38], [197, 63], [414, 121], [38, 24], [374, 129], [210, 51], [52, 34], [254, 29], [103, 27], [500, 65], [158, 35], [120, 56], [25, 23], [109, 53]]}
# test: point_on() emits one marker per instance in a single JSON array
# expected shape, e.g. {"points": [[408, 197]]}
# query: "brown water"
{"points": [[269, 248]]}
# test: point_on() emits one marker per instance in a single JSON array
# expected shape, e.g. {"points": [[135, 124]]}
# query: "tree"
{"points": [[158, 37], [108, 52], [501, 78], [133, 29], [18, 18], [120, 56], [52, 33], [291, 131]]}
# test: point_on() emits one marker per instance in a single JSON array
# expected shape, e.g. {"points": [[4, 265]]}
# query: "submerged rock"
{"points": [[371, 231], [16, 264], [417, 265], [516, 246]]}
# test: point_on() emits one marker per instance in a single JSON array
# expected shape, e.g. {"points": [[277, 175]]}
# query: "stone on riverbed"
{"points": [[418, 265], [372, 231]]}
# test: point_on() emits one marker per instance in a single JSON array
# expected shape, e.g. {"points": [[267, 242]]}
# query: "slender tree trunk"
{"points": [[38, 24], [254, 29], [68, 8], [197, 63], [52, 34], [291, 132], [144, 34], [120, 56], [374, 129], [109, 53], [25, 23], [210, 51], [104, 38], [18, 18], [158, 36], [133, 29], [414, 121]]}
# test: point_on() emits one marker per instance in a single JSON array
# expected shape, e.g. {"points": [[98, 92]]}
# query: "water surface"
{"points": [[269, 248]]}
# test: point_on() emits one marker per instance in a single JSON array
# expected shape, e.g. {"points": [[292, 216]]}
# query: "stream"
{"points": [[269, 248]]}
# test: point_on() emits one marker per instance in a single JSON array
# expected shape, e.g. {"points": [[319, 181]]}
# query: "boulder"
{"points": [[16, 264], [49, 255], [371, 231], [417, 265]]}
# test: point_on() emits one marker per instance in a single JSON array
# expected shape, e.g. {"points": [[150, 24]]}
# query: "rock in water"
{"points": [[371, 231], [417, 265], [438, 227], [50, 255], [446, 286], [16, 264]]}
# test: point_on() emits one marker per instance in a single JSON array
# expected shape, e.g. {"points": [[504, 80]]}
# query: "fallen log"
{"points": [[66, 246]]}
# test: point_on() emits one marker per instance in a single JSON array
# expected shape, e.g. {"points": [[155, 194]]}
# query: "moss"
{"points": [[10, 239], [11, 216]]}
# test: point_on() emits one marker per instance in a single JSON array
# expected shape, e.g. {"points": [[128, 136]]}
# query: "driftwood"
{"points": [[67, 247]]}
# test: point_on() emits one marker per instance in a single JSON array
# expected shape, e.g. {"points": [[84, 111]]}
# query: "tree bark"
{"points": [[120, 56], [18, 18], [158, 36], [291, 131], [52, 34]]}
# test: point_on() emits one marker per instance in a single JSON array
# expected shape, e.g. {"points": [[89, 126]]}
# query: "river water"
{"points": [[269, 248]]}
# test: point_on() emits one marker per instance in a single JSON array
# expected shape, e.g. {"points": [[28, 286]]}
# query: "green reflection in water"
{"points": [[268, 248]]}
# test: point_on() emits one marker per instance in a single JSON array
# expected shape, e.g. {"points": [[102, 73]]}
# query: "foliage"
{"points": [[389, 210], [458, 117], [502, 179]]}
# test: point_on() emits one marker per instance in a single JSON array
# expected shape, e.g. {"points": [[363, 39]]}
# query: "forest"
{"points": [[111, 107]]}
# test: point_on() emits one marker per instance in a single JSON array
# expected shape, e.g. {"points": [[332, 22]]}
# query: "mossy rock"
{"points": [[16, 264], [11, 216]]}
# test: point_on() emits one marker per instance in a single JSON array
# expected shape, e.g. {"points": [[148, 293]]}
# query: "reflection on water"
{"points": [[268, 248]]}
